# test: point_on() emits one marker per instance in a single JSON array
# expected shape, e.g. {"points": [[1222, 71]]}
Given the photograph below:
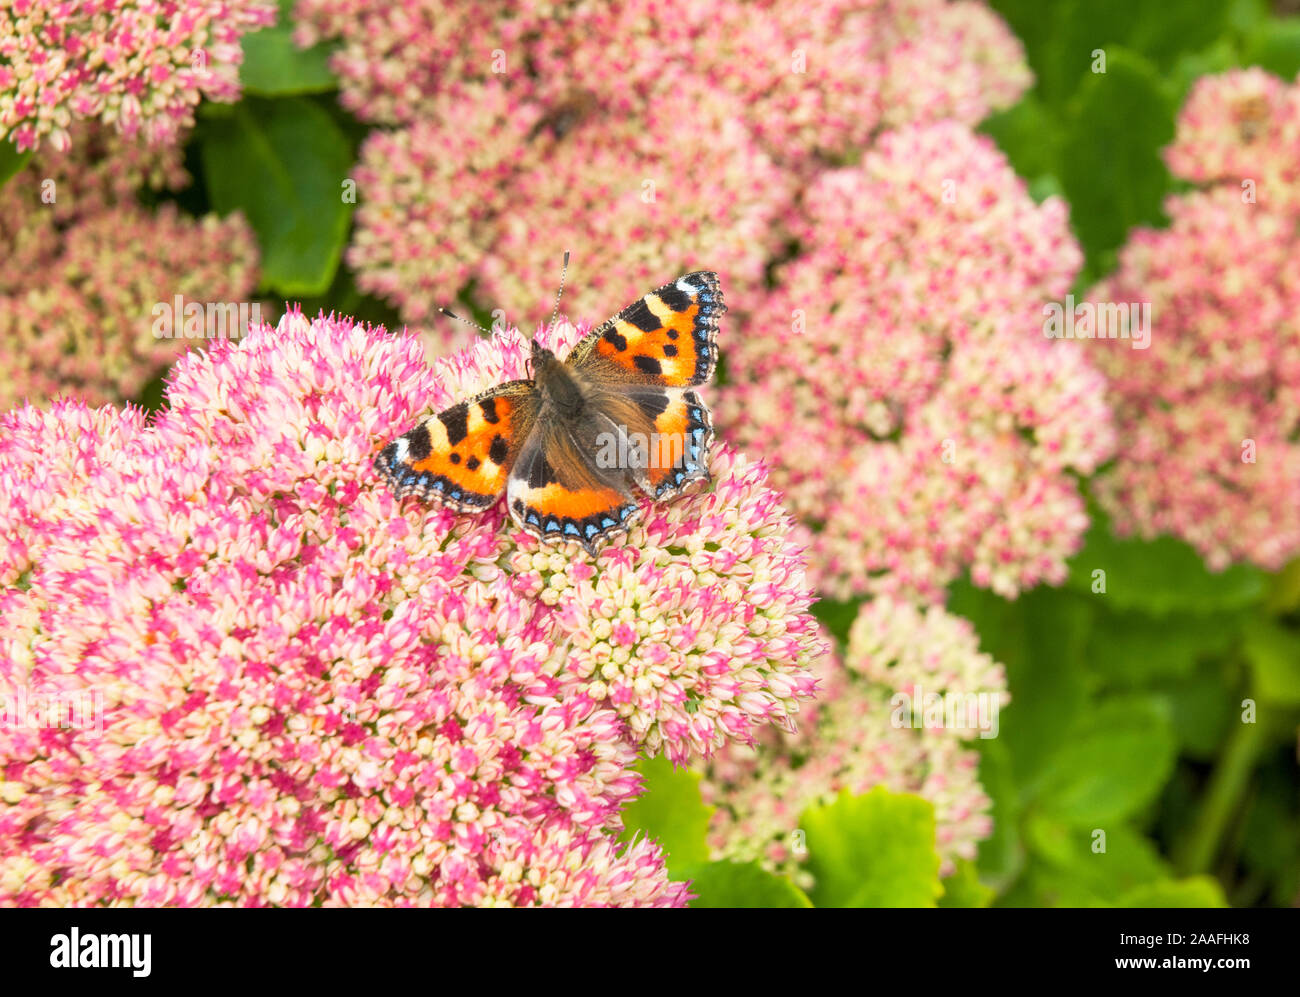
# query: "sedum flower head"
{"points": [[898, 378], [670, 138], [816, 80], [88, 326], [1241, 125], [395, 60], [1209, 414], [492, 187], [140, 66], [857, 739], [305, 692]]}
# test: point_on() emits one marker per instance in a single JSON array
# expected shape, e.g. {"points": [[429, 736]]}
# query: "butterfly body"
{"points": [[573, 446]]}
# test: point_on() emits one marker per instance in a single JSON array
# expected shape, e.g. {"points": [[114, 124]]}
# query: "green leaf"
{"points": [[837, 616], [875, 850], [1163, 31], [1160, 576], [1114, 762], [1044, 186], [1030, 136], [1190, 66], [743, 884], [282, 163], [1001, 855], [1111, 167], [671, 812], [1131, 649], [1275, 46], [1070, 869], [1202, 709], [1284, 590], [1060, 46], [11, 160], [1195, 891], [1040, 638], [1271, 840], [964, 889], [275, 67], [1274, 656]]}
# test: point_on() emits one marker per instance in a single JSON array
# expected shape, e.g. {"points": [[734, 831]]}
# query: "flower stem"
{"points": [[1222, 800]]}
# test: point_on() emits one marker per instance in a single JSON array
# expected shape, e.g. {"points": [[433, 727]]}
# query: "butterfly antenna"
{"points": [[450, 314], [563, 270]]}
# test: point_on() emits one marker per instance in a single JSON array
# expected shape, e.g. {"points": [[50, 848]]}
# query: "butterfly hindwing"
{"points": [[667, 338], [679, 451], [463, 455], [555, 492]]}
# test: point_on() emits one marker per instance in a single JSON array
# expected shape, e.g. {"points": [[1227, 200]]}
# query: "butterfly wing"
{"points": [[667, 338], [648, 356], [679, 442], [462, 456], [555, 492]]}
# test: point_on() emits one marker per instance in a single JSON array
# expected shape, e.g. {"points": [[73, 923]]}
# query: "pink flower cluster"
{"points": [[873, 725], [1238, 126], [305, 692], [493, 189], [813, 78], [816, 80], [899, 379], [395, 60], [1209, 414], [140, 66], [669, 137], [86, 326]]}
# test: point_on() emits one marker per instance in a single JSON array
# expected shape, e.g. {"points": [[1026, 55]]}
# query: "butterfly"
{"points": [[572, 446]]}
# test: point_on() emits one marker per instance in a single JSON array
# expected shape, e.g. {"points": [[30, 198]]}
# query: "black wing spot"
{"points": [[648, 365], [454, 458], [541, 473], [489, 409], [498, 450], [472, 464], [672, 333], [418, 443], [456, 419], [670, 350], [675, 298], [641, 316], [614, 338]]}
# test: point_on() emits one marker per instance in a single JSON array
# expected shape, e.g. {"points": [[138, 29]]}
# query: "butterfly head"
{"points": [[556, 383], [543, 360]]}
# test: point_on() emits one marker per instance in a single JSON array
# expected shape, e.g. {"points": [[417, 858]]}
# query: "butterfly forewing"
{"points": [[666, 338], [462, 456]]}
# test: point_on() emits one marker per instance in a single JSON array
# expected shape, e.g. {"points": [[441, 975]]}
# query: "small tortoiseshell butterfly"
{"points": [[569, 446]]}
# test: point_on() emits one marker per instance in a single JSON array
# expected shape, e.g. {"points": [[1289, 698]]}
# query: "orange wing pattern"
{"points": [[555, 494], [679, 448], [463, 455], [667, 338]]}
